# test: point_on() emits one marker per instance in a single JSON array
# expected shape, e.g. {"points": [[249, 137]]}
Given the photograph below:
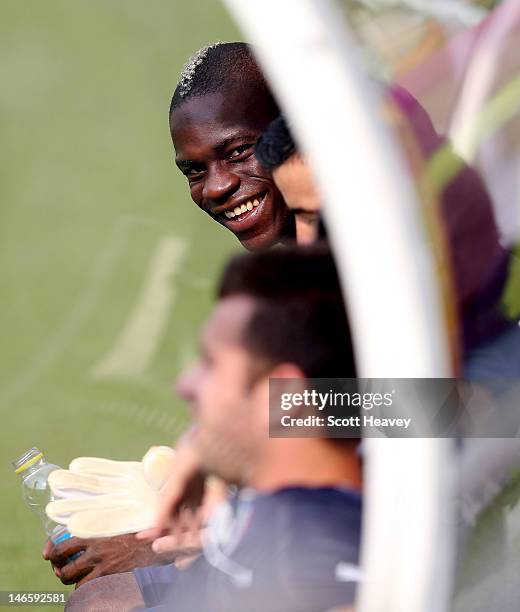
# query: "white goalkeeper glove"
{"points": [[101, 498]]}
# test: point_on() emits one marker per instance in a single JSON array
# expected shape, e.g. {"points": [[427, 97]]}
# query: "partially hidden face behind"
{"points": [[296, 183], [214, 137], [227, 390]]}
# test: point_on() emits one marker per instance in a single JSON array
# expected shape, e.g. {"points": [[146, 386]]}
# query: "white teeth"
{"points": [[243, 208]]}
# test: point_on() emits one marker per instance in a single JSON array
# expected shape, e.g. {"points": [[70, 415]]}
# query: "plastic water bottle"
{"points": [[34, 472]]}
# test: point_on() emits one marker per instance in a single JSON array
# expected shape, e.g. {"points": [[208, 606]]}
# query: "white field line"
{"points": [[72, 323], [163, 423], [142, 332]]}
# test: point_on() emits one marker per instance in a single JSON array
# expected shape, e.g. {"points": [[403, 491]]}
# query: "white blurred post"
{"points": [[387, 272]]}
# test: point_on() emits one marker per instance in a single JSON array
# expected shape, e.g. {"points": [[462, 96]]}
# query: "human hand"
{"points": [[99, 497], [184, 488], [186, 502], [100, 557], [184, 540]]}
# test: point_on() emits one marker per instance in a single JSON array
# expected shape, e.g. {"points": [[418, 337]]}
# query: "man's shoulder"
{"points": [[300, 519], [327, 494], [310, 541], [313, 502]]}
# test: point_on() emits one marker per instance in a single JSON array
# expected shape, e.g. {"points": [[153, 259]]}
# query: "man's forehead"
{"points": [[195, 109], [228, 320], [210, 137], [218, 112]]}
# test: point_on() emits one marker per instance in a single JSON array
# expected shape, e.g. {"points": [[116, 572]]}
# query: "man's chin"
{"points": [[282, 230], [224, 465], [260, 242]]}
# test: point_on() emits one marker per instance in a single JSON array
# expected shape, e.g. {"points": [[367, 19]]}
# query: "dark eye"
{"points": [[193, 172], [241, 152]]}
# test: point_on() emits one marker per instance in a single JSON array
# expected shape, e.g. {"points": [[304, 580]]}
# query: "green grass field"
{"points": [[98, 236], [106, 266]]}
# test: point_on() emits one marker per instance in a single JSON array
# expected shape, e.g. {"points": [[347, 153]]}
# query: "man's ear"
{"points": [[285, 380], [285, 377], [287, 370]]}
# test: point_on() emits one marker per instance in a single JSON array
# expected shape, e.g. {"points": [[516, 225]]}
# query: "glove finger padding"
{"points": [[158, 464], [136, 518], [67, 483], [61, 510], [99, 497], [108, 468]]}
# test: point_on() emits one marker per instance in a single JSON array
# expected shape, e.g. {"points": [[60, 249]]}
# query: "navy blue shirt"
{"points": [[295, 550]]}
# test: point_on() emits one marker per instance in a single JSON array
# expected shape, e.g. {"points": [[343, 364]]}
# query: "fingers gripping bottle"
{"points": [[34, 472]]}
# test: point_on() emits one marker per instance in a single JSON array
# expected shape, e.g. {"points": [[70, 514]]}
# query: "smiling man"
{"points": [[219, 109]]}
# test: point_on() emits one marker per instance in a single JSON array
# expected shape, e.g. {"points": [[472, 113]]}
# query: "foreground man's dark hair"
{"points": [[300, 317]]}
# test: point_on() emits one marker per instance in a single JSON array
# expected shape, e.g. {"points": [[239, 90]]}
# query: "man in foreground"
{"points": [[289, 537]]}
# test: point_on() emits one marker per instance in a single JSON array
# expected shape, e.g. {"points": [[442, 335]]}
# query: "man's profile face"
{"points": [[228, 403], [296, 183], [214, 137]]}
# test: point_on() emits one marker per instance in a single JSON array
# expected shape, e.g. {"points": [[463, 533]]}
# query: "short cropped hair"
{"points": [[221, 67], [300, 316], [276, 145]]}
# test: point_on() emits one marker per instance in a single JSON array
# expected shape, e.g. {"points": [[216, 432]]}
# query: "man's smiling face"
{"points": [[214, 137]]}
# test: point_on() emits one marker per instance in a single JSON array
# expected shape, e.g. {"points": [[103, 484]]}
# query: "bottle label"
{"points": [[60, 535]]}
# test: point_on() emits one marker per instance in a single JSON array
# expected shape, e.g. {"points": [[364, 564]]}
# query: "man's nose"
{"points": [[220, 184], [186, 383], [306, 232]]}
